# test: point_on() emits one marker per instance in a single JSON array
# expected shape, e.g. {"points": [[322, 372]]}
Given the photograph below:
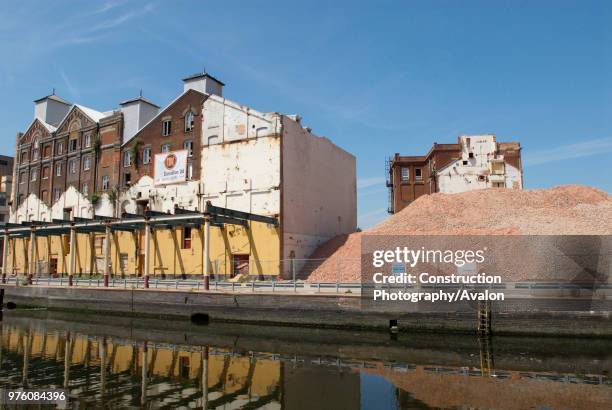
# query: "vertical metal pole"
{"points": [[5, 248], [205, 257], [102, 347], [293, 274], [146, 258], [26, 359], [67, 357], [72, 252], [205, 378], [31, 256], [107, 255], [143, 394]]}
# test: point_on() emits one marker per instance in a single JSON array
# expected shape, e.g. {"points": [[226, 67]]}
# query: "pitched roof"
{"points": [[139, 98], [162, 111], [203, 74], [54, 98], [91, 113]]}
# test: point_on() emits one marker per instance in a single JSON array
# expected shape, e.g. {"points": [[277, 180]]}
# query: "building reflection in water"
{"points": [[118, 373]]}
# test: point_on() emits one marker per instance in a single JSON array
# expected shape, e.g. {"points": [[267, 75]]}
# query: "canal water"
{"points": [[116, 362]]}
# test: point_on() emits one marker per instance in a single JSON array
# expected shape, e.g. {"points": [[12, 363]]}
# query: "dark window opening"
{"points": [[186, 238], [240, 265]]}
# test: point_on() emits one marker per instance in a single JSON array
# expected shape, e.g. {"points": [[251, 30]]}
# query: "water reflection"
{"points": [[103, 367]]}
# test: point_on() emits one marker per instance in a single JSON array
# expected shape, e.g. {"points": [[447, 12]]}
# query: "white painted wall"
{"points": [[205, 85], [51, 112], [162, 198], [33, 209], [457, 177], [240, 157], [319, 190], [135, 115]]}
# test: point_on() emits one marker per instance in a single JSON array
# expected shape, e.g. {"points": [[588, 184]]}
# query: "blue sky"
{"points": [[376, 77]]}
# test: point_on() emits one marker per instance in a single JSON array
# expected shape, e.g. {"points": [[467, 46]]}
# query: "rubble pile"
{"points": [[563, 210]]}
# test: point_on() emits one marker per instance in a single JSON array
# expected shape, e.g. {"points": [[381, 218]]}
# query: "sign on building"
{"points": [[170, 167]]}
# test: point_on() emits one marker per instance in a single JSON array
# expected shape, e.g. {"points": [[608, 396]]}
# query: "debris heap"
{"points": [[563, 210]]}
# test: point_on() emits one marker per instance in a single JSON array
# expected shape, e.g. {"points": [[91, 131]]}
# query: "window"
{"points": [[146, 155], [165, 148], [36, 151], [45, 173], [59, 148], [58, 169], [188, 145], [2, 201], [45, 196], [189, 170], [418, 175], [24, 156], [105, 182], [166, 127], [72, 145], [127, 178], [186, 238], [86, 163], [73, 166], [188, 121], [127, 159], [85, 189], [22, 178], [56, 194], [34, 174], [87, 140], [405, 174], [47, 151], [21, 199]]}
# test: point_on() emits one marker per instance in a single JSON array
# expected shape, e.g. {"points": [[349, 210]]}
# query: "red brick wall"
{"points": [[151, 136]]}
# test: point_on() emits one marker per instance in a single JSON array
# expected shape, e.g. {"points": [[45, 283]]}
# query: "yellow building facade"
{"points": [[172, 252]]}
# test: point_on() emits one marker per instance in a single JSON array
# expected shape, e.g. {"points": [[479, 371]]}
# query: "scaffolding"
{"points": [[149, 220]]}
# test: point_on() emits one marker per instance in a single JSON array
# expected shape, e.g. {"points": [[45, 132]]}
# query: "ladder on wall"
{"points": [[483, 325]]}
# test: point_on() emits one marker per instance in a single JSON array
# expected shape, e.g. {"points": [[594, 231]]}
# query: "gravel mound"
{"points": [[563, 210]]}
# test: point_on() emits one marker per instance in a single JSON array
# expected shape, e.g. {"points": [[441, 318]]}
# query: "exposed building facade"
{"points": [[474, 162], [76, 162], [6, 186]]}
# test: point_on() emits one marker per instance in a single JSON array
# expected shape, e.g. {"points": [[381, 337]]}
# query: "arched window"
{"points": [[36, 149], [188, 121]]}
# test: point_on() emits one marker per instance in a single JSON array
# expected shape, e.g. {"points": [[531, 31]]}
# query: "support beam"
{"points": [[107, 239], [143, 394], [102, 349], [205, 378], [5, 248], [31, 267], [72, 255], [67, 357], [206, 252], [147, 254]]}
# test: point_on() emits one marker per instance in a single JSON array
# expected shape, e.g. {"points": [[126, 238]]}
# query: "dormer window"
{"points": [[166, 128], [189, 121]]}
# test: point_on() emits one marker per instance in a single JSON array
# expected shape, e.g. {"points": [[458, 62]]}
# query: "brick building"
{"points": [[76, 163], [474, 162]]}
